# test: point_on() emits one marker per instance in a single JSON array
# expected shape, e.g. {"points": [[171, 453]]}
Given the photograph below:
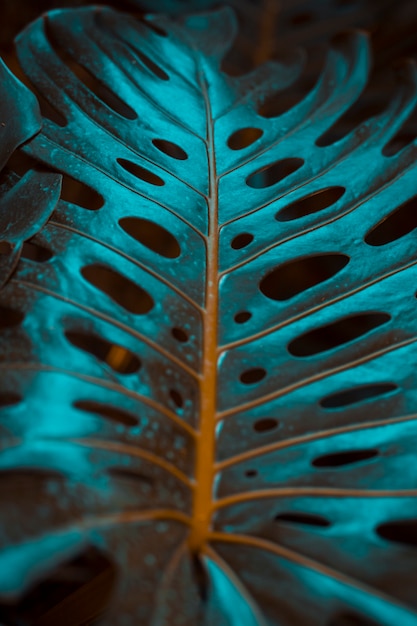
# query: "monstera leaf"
{"points": [[208, 358]]}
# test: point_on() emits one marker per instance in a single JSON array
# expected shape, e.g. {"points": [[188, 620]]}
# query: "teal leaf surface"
{"points": [[19, 562], [26, 202], [19, 114], [209, 375]]}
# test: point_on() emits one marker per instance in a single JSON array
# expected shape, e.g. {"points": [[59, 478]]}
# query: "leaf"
{"points": [[228, 601], [211, 377], [26, 203], [18, 562]]}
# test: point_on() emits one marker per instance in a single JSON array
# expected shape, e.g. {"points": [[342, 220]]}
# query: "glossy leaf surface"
{"points": [[218, 397]]}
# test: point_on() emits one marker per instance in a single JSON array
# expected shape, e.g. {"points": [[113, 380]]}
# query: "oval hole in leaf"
{"points": [[349, 457], [124, 473], [201, 576], [49, 111], [351, 619], [89, 576], [107, 411], [147, 62], [244, 137], [30, 473], [293, 94], [317, 201], [117, 357], [253, 375], [177, 398], [272, 174], [396, 225], [35, 252], [80, 194], [303, 518], [140, 172], [356, 395], [151, 235], [399, 531], [119, 288], [10, 317], [294, 277], [397, 143], [242, 317], [265, 424], [92, 83], [47, 108], [9, 398], [22, 163], [241, 241], [170, 148], [251, 473], [336, 334], [152, 26], [6, 247], [179, 334]]}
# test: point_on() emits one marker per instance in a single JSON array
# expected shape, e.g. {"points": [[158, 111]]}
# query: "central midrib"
{"points": [[205, 442]]}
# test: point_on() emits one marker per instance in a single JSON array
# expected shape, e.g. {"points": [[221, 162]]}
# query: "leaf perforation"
{"points": [[112, 322], [314, 227], [308, 312], [313, 101], [316, 436], [108, 384], [133, 260], [123, 183], [160, 168], [213, 365], [294, 187], [119, 140], [309, 563], [345, 154], [249, 404], [135, 55], [293, 236], [67, 59], [114, 34]]}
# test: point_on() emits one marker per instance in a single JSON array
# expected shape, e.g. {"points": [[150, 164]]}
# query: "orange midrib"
{"points": [[205, 443]]}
